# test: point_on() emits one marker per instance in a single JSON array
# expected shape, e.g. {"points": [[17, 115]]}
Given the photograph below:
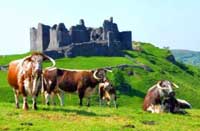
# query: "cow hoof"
{"points": [[35, 108], [48, 103], [17, 106], [25, 107]]}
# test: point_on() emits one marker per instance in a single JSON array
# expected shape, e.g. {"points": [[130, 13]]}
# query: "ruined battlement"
{"points": [[79, 40]]}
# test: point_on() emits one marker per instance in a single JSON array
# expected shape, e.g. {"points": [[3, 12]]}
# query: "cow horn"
{"points": [[175, 85], [94, 75], [51, 59], [108, 70], [24, 59], [158, 85]]}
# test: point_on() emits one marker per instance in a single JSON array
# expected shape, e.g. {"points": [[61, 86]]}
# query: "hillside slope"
{"points": [[147, 65]]}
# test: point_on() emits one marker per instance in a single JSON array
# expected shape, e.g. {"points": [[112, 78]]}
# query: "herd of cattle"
{"points": [[27, 77]]}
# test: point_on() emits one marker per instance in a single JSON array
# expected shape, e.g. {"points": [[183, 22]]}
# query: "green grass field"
{"points": [[131, 90], [94, 118]]}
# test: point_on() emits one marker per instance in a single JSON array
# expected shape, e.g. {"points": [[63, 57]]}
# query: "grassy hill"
{"points": [[187, 57], [131, 84]]}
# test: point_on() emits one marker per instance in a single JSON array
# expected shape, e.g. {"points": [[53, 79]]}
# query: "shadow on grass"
{"points": [[77, 111], [126, 89]]}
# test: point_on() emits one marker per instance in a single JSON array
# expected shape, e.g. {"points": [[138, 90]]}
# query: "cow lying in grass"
{"points": [[64, 80], [107, 93], [161, 98]]}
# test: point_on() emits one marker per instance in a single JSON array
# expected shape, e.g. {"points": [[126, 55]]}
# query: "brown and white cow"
{"points": [[25, 76], [107, 93], [65, 80], [153, 100]]}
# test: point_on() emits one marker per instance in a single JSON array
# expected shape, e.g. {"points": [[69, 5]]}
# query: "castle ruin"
{"points": [[58, 41]]}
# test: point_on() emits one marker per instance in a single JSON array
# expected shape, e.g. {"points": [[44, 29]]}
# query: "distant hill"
{"points": [[187, 56]]}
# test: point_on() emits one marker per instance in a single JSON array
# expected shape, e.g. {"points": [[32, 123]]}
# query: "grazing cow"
{"points": [[25, 76], [107, 92], [63, 80], [156, 94]]}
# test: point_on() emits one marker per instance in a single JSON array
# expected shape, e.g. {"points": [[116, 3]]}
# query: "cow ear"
{"points": [[160, 83], [92, 71], [174, 85], [29, 59]]}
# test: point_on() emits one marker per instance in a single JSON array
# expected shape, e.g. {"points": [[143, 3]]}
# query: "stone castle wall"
{"points": [[79, 40]]}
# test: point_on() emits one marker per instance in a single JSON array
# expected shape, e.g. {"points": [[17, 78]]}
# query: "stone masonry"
{"points": [[79, 40]]}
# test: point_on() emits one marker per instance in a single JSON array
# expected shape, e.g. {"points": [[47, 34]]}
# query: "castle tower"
{"points": [[59, 36], [39, 38], [108, 25]]}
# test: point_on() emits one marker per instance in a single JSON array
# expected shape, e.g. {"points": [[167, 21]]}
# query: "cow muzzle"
{"points": [[172, 94], [37, 74]]}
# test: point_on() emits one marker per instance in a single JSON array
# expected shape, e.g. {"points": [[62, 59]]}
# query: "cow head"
{"points": [[100, 75], [35, 62], [166, 88], [107, 85], [32, 65]]}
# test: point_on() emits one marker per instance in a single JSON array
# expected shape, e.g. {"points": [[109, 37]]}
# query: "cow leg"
{"points": [[100, 97], [61, 97], [114, 101], [24, 94], [16, 94], [151, 108], [81, 94], [100, 102], [115, 104], [34, 103], [87, 93], [43, 98], [53, 98], [47, 97], [108, 103], [25, 104], [88, 101]]}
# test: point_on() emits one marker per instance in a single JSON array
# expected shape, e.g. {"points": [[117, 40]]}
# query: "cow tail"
{"points": [[43, 90]]}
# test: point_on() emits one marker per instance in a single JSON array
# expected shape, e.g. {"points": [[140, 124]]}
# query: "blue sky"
{"points": [[173, 23]]}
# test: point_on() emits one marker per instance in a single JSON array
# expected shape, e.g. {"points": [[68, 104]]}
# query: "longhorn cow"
{"points": [[161, 98], [25, 77], [156, 94], [64, 80]]}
